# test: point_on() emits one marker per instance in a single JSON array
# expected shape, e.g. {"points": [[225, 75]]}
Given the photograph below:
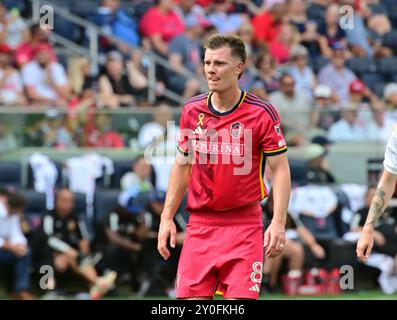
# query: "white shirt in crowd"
{"points": [[10, 228], [34, 75], [377, 133], [12, 86], [15, 31], [343, 131]]}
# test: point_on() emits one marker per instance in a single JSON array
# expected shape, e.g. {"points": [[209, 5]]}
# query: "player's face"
{"points": [[221, 69]]}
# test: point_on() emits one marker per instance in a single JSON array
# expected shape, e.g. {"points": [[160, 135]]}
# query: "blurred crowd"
{"points": [[321, 74]]}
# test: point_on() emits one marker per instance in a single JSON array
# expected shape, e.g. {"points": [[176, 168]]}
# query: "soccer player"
{"points": [[384, 192], [225, 137]]}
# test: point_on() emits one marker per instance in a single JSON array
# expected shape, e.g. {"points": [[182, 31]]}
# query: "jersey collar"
{"points": [[212, 109]]}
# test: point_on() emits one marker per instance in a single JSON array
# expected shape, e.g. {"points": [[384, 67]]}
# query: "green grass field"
{"points": [[362, 295]]}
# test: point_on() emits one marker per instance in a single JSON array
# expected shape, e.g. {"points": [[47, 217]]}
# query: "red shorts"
{"points": [[222, 251]]}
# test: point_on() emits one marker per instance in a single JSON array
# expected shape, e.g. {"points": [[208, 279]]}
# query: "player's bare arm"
{"points": [[275, 233], [177, 187], [379, 203]]}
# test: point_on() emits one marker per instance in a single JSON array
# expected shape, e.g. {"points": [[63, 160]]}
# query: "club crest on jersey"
{"points": [[278, 130], [236, 129]]}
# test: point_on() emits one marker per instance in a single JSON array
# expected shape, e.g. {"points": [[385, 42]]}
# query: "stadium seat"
{"points": [[80, 203], [378, 88], [390, 40], [298, 170], [10, 174], [120, 168], [318, 62], [361, 65], [84, 8], [104, 201], [66, 29], [388, 66], [373, 81], [377, 8], [35, 207], [321, 228]]}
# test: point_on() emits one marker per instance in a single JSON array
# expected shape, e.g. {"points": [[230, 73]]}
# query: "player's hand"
{"points": [[167, 229], [274, 240], [365, 243], [317, 251], [20, 250]]}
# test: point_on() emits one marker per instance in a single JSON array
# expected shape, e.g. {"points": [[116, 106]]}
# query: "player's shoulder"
{"points": [[261, 106], [195, 102]]}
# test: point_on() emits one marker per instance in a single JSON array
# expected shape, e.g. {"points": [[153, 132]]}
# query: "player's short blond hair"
{"points": [[237, 46]]}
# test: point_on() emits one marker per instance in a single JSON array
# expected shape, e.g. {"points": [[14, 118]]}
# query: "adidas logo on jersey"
{"points": [[198, 130], [255, 288]]}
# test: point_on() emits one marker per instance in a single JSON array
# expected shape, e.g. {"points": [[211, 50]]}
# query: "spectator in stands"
{"points": [[184, 53], [297, 14], [363, 99], [379, 26], [49, 132], [154, 131], [316, 11], [11, 86], [189, 8], [309, 36], [318, 168], [38, 35], [358, 37], [115, 85], [330, 31], [8, 141], [348, 128], [267, 24], [325, 113], [246, 33], [224, 20], [248, 78], [101, 134], [114, 20], [13, 30], [268, 78], [297, 236], [63, 240], [336, 75], [280, 48], [15, 255], [292, 105], [390, 97], [303, 75], [45, 80], [359, 94], [160, 24], [79, 74], [125, 231], [140, 176], [380, 126]]}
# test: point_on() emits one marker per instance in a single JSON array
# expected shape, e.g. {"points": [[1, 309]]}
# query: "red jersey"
{"points": [[229, 151]]}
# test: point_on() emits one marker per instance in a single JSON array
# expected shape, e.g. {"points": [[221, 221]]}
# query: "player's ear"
{"points": [[240, 68]]}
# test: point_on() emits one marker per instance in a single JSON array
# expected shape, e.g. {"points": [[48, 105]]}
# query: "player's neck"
{"points": [[226, 100]]}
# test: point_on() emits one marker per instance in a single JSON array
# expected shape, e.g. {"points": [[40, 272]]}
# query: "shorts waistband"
{"points": [[247, 215]]}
